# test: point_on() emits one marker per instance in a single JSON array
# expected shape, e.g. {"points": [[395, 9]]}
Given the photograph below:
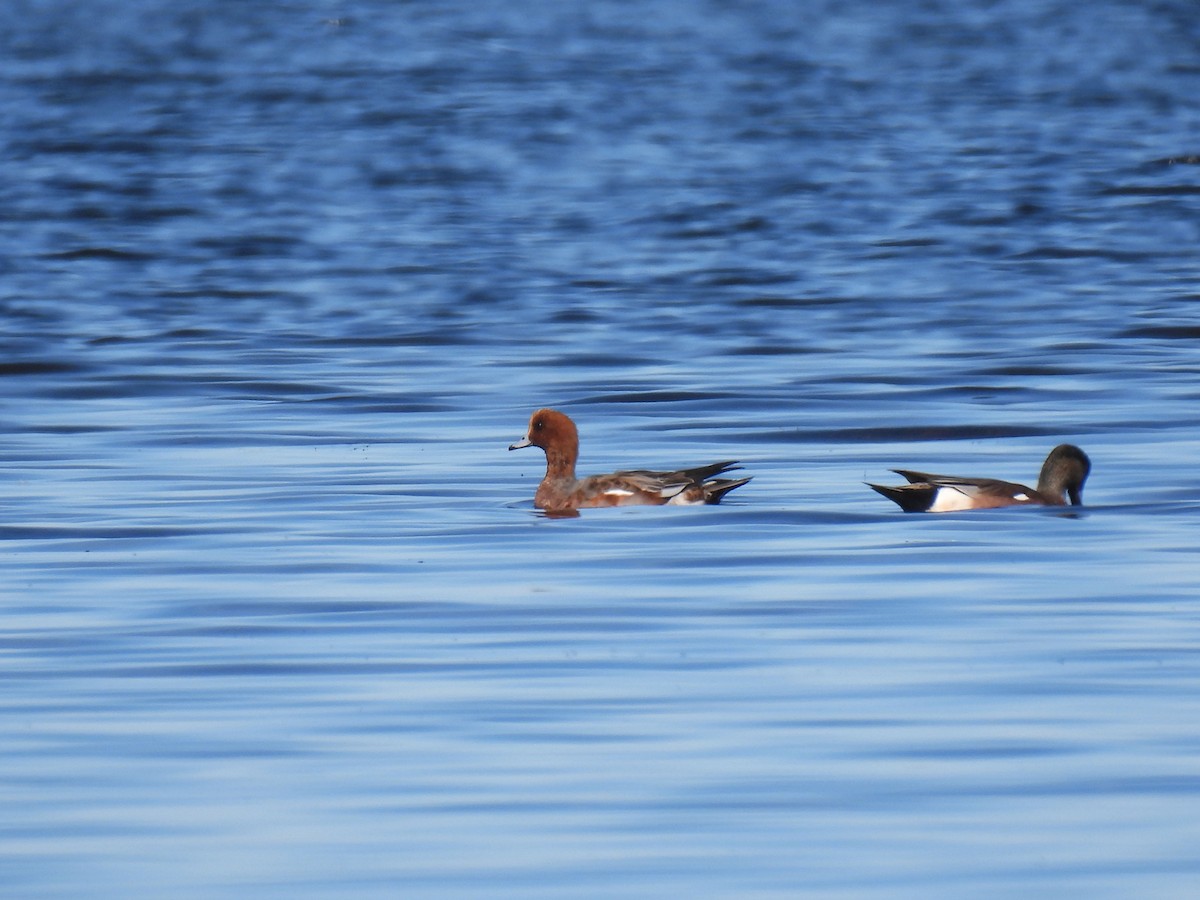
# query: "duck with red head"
{"points": [[560, 491]]}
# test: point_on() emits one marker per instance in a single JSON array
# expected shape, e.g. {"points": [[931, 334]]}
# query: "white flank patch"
{"points": [[618, 492], [949, 499], [1021, 497]]}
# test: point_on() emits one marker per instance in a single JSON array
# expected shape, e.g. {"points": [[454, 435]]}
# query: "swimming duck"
{"points": [[1061, 481], [561, 491]]}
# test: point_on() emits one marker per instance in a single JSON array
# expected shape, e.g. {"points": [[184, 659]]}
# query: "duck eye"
{"points": [[538, 425]]}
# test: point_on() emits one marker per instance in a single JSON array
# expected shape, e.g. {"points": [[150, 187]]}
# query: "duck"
{"points": [[562, 492], [1060, 483]]}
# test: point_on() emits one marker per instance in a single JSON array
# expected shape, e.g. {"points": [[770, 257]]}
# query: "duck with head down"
{"points": [[1059, 483], [561, 491]]}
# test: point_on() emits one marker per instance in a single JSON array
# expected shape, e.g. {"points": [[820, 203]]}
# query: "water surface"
{"points": [[284, 280]]}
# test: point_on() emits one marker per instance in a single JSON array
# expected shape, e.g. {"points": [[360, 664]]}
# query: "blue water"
{"points": [[281, 282]]}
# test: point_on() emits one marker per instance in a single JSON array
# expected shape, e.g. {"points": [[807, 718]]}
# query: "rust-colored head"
{"points": [[555, 433]]}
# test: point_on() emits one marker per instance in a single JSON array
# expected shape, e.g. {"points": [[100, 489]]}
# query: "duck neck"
{"points": [[560, 461], [1055, 484]]}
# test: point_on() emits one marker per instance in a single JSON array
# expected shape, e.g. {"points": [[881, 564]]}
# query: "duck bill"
{"points": [[523, 442]]}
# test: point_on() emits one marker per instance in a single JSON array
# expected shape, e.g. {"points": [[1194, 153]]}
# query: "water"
{"points": [[284, 279]]}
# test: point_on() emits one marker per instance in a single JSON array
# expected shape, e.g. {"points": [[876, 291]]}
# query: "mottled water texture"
{"points": [[281, 282]]}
